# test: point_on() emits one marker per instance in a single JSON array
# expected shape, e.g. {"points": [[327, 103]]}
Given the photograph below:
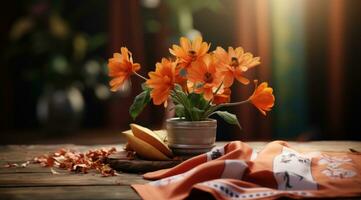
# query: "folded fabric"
{"points": [[236, 171]]}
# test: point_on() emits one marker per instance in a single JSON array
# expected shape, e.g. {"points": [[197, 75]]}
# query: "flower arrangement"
{"points": [[196, 80]]}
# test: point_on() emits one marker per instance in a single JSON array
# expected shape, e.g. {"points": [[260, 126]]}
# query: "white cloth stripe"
{"points": [[254, 155], [234, 169]]}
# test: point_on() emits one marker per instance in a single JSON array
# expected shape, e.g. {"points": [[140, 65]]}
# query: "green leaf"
{"points": [[179, 110], [197, 110], [140, 101], [197, 113], [178, 88], [197, 100], [194, 98], [145, 86], [228, 117], [182, 97], [192, 104]]}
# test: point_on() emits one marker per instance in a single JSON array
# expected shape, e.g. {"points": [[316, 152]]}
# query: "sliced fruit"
{"points": [[127, 146], [128, 131], [162, 134], [150, 137], [144, 149]]}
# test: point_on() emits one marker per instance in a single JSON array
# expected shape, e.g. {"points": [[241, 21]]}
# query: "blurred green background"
{"points": [[54, 84]]}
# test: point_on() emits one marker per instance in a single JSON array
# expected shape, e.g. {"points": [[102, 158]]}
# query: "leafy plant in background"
{"points": [[182, 13], [184, 10], [54, 55], [56, 50], [197, 81]]}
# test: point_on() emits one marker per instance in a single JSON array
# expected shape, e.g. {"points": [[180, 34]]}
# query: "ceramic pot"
{"points": [[191, 137]]}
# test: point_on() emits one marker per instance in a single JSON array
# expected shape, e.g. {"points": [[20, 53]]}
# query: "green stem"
{"points": [[210, 101], [181, 101], [140, 76], [219, 87], [212, 109], [234, 103]]}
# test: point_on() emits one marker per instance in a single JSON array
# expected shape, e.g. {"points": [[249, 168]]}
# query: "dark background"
{"points": [[54, 84]]}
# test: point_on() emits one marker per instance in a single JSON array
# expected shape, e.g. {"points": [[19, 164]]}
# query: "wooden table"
{"points": [[35, 182]]}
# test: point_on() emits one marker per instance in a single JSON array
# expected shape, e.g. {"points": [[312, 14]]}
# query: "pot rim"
{"points": [[179, 120]]}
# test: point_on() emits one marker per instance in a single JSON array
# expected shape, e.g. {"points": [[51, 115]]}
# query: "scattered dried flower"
{"points": [[78, 162], [25, 164], [8, 165]]}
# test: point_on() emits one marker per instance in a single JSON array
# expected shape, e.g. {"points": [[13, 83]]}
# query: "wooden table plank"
{"points": [[47, 179], [18, 153], [31, 168], [35, 182], [21, 153], [70, 193]]}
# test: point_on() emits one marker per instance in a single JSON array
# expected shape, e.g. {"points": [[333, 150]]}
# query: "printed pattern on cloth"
{"points": [[335, 166], [235, 192], [215, 153], [172, 179], [236, 171], [292, 171]]}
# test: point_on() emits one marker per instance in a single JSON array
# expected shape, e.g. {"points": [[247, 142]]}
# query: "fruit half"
{"points": [[150, 137], [144, 149]]}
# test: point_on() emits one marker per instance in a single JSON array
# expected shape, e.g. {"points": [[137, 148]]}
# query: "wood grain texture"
{"points": [[66, 179], [117, 162], [69, 192], [36, 182]]}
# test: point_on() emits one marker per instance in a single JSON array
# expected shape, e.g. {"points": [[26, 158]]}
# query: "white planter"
{"points": [[191, 137]]}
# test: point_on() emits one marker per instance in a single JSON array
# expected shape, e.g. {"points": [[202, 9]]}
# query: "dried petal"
{"points": [[8, 165], [25, 164], [77, 162]]}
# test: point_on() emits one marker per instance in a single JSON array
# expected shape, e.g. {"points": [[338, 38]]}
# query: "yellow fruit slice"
{"points": [[162, 135], [144, 149], [151, 138], [127, 146], [128, 131]]}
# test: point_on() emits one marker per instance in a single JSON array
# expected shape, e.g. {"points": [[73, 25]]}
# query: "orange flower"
{"points": [[205, 77], [162, 81], [189, 52], [263, 98], [235, 63], [120, 67], [225, 97]]}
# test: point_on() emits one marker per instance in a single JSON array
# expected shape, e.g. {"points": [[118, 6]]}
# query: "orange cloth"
{"points": [[235, 171]]}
